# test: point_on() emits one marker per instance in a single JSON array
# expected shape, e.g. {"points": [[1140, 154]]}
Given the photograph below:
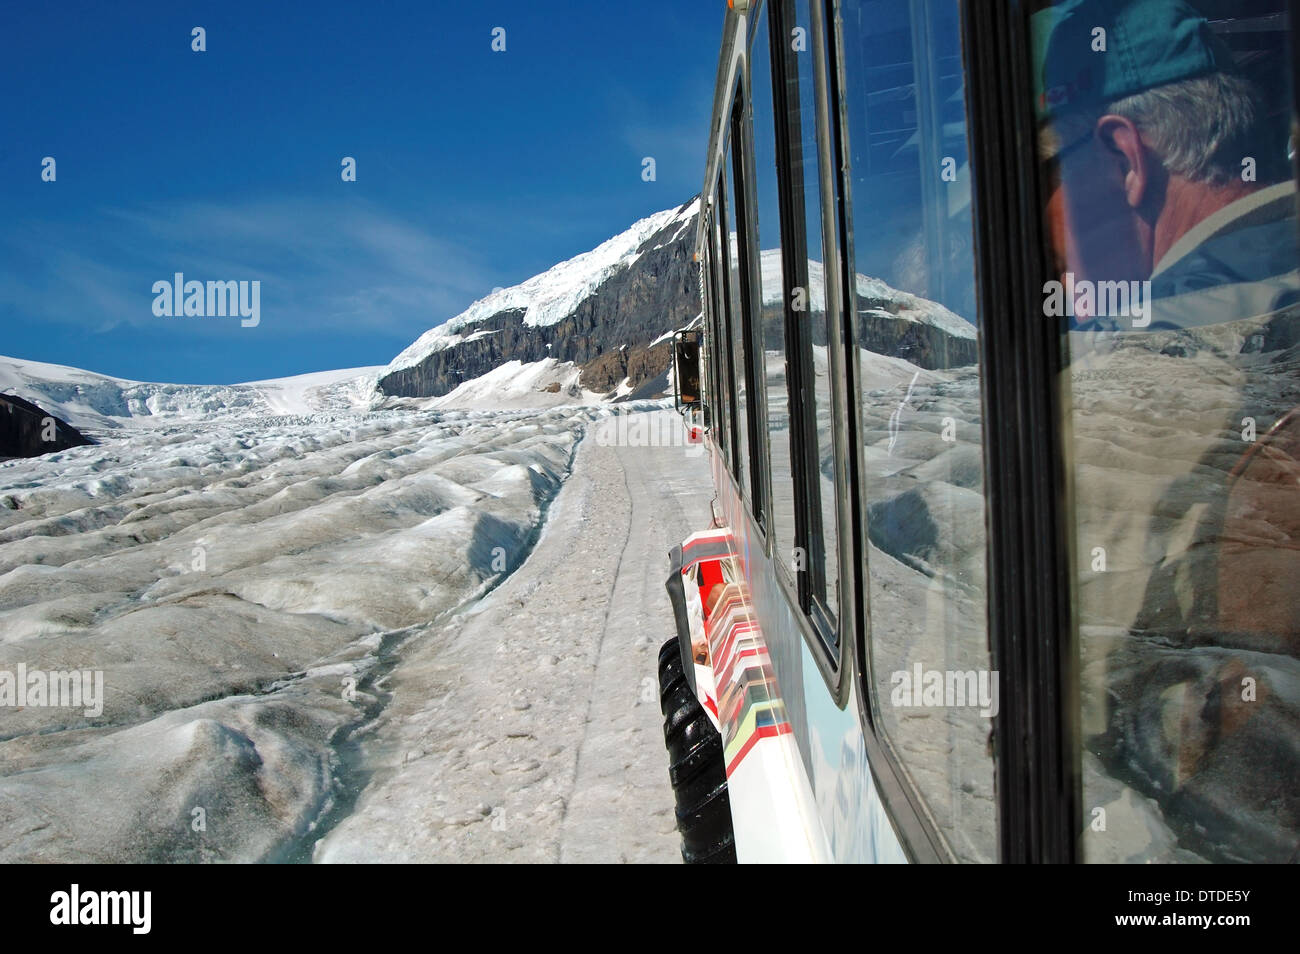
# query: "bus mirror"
{"points": [[686, 369]]}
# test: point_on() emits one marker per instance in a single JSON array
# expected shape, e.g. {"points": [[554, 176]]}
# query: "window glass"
{"points": [[1170, 208], [718, 342], [772, 301], [805, 177], [726, 319], [709, 348], [738, 325], [914, 291]]}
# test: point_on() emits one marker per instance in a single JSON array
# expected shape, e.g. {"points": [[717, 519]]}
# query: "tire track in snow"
{"points": [[600, 645], [622, 758]]}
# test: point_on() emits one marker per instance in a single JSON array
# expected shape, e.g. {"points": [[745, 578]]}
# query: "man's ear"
{"points": [[1136, 164]]}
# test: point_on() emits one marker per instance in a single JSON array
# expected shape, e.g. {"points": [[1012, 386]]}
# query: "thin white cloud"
{"points": [[322, 265]]}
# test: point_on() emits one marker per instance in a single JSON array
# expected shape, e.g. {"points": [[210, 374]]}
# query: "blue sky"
{"points": [[475, 168]]}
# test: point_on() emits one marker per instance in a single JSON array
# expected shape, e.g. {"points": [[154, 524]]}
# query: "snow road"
{"points": [[528, 728]]}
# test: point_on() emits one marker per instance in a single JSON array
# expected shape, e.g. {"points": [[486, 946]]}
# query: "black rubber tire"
{"points": [[671, 675], [669, 653], [724, 854], [706, 829], [696, 768], [704, 759], [674, 696]]}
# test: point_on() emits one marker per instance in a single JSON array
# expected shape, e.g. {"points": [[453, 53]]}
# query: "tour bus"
{"points": [[997, 368]]}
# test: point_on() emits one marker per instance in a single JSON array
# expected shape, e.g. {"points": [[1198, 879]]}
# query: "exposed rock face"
{"points": [[25, 427], [882, 331], [927, 346], [657, 293], [638, 364]]}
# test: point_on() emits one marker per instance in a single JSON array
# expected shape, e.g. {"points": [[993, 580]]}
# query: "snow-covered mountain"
{"points": [[891, 322], [594, 327], [878, 295], [552, 296], [609, 303], [102, 402], [609, 312]]}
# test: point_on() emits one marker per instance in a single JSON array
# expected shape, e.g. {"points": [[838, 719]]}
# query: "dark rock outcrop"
{"points": [[27, 430], [659, 292], [926, 346], [637, 364], [882, 330]]}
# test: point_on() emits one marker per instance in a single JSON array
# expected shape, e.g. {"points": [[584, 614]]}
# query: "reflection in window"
{"points": [[1171, 210], [823, 532], [915, 299], [744, 472], [721, 346], [772, 301], [710, 353]]}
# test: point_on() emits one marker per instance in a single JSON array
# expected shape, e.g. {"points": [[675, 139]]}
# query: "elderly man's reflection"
{"points": [[1168, 168]]}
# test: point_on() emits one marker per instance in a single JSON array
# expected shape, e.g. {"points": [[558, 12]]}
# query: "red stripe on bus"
{"points": [[765, 732]]}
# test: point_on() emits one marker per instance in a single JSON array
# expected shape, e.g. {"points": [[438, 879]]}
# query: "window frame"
{"points": [[917, 829], [1030, 565], [827, 636], [1029, 625], [830, 629], [709, 353], [718, 239], [753, 270], [740, 153], [718, 353]]}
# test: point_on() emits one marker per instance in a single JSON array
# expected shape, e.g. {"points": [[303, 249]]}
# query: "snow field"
{"points": [[237, 581]]}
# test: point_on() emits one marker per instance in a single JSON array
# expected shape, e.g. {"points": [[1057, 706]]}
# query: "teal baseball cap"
{"points": [[1092, 52]]}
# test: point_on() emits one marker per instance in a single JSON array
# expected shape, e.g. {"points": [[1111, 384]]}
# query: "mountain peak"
{"points": [[629, 290]]}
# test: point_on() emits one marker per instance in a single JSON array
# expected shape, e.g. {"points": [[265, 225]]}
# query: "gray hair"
{"points": [[1202, 127]]}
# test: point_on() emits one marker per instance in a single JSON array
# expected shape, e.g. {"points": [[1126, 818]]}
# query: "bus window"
{"points": [[726, 319], [822, 517], [772, 301], [715, 341], [712, 406], [1170, 208], [914, 294], [739, 325], [709, 384]]}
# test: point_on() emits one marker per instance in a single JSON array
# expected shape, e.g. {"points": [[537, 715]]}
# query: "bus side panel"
{"points": [[774, 817], [823, 752]]}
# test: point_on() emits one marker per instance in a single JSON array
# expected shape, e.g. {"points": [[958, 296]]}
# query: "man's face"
{"points": [[1095, 233]]}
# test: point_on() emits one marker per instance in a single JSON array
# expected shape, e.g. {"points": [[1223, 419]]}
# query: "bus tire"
{"points": [[671, 674], [696, 768]]}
